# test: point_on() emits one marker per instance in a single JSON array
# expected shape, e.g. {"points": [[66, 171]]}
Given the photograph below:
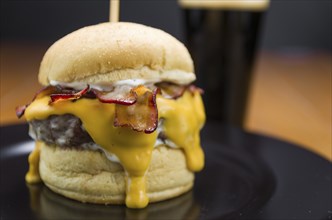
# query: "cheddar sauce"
{"points": [[33, 174], [183, 119]]}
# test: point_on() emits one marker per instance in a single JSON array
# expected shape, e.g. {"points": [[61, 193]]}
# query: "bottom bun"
{"points": [[88, 176]]}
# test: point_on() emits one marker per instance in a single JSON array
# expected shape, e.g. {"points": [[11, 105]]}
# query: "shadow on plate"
{"points": [[48, 205]]}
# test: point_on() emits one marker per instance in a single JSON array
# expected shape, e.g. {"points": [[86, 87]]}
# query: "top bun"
{"points": [[109, 52]]}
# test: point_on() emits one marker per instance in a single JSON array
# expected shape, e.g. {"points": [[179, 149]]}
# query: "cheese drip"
{"points": [[183, 119], [33, 174]]}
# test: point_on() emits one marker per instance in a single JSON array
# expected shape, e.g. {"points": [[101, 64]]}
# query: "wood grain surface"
{"points": [[290, 97]]}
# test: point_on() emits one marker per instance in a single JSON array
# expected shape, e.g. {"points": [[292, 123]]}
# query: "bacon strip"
{"points": [[125, 96], [68, 96], [135, 107], [19, 110], [192, 89], [171, 90], [42, 92], [141, 116]]}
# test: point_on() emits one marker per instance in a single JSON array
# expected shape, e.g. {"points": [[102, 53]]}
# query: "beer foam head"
{"points": [[252, 5]]}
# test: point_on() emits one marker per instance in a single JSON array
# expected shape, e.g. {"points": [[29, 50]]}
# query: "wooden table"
{"points": [[290, 97]]}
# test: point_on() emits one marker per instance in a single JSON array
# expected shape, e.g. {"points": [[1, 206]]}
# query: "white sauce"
{"points": [[95, 147], [104, 87], [80, 85], [134, 82]]}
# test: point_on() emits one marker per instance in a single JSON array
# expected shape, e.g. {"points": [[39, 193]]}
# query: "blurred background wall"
{"points": [[289, 24]]}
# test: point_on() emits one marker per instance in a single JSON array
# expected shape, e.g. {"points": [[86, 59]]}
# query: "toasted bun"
{"points": [[108, 52], [88, 176]]}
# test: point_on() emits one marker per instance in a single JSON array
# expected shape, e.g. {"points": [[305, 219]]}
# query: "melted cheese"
{"points": [[33, 174], [183, 119]]}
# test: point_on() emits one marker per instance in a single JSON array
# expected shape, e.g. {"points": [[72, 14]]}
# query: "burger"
{"points": [[118, 119]]}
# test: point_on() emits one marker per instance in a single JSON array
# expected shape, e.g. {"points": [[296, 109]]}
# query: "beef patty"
{"points": [[62, 130]]}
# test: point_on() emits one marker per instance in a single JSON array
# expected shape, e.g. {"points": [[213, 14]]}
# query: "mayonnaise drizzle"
{"points": [[104, 87]]}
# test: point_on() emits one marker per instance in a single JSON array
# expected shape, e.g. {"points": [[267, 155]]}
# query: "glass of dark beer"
{"points": [[221, 36]]}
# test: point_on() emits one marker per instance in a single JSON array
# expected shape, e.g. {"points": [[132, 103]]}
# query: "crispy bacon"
{"points": [[124, 96], [141, 116], [68, 96], [47, 90], [20, 110], [170, 90], [42, 92], [134, 107], [192, 89]]}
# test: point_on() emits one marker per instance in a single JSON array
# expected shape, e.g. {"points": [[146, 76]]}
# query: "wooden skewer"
{"points": [[114, 10]]}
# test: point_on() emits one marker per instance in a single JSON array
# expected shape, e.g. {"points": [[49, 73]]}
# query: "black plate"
{"points": [[246, 177]]}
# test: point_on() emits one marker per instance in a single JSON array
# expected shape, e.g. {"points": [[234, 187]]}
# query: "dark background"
{"points": [[296, 25]]}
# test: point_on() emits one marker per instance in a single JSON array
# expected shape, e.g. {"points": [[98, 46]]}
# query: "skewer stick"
{"points": [[114, 10]]}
